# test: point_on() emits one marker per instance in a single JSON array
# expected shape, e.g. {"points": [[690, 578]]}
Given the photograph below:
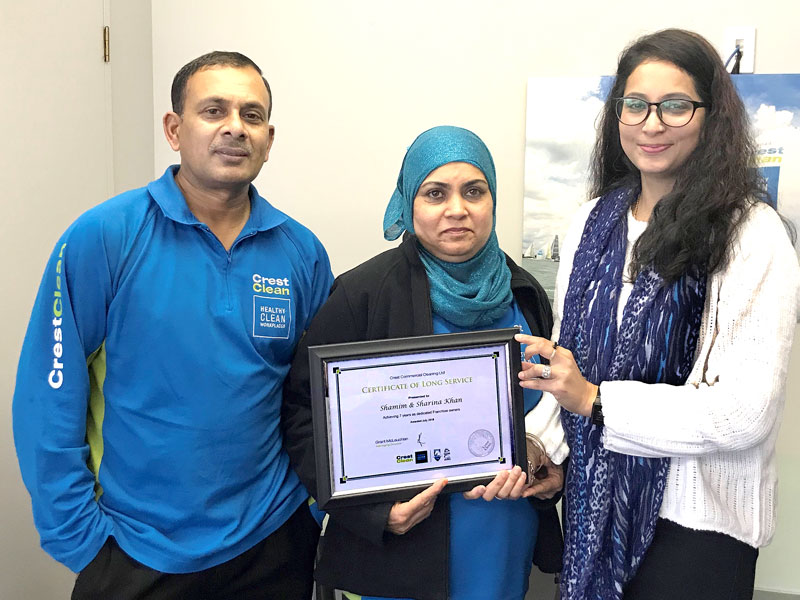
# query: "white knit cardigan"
{"points": [[720, 427]]}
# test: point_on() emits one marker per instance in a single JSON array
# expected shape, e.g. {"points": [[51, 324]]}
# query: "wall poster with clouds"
{"points": [[560, 134]]}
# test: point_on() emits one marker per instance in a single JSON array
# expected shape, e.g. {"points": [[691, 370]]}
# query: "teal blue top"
{"points": [[491, 543]]}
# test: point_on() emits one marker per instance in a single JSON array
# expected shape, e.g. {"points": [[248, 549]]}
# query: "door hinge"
{"points": [[106, 51]]}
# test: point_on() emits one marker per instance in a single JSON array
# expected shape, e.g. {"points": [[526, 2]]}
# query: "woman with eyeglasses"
{"points": [[676, 303]]}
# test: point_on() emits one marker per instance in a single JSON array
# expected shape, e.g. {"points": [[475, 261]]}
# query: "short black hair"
{"points": [[217, 58]]}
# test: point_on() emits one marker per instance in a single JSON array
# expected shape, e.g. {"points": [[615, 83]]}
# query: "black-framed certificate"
{"points": [[392, 416]]}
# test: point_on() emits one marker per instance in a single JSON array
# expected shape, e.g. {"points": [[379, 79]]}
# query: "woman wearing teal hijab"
{"points": [[447, 275]]}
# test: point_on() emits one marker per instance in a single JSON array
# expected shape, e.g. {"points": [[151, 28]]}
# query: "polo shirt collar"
{"points": [[168, 196]]}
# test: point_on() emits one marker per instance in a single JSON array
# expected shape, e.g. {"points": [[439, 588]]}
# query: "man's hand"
{"points": [[404, 515], [549, 486]]}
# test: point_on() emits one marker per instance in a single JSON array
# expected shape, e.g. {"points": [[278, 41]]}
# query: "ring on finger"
{"points": [[555, 347], [546, 372]]}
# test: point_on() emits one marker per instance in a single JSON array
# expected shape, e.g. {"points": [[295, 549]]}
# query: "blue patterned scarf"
{"points": [[473, 293], [613, 499]]}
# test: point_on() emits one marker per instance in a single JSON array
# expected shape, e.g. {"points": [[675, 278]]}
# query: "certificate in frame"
{"points": [[392, 416]]}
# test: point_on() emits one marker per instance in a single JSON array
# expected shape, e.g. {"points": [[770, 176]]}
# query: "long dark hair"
{"points": [[693, 227]]}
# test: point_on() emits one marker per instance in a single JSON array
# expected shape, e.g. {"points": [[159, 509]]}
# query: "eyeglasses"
{"points": [[675, 112]]}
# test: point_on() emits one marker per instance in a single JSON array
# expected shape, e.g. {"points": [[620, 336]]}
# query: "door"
{"points": [[55, 162]]}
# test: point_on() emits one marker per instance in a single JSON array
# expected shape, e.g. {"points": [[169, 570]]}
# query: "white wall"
{"points": [[55, 163], [355, 81], [131, 92]]}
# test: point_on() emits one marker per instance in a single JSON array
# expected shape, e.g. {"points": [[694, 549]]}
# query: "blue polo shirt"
{"points": [[148, 393]]}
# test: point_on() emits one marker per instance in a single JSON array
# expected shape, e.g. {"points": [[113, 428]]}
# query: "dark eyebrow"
{"points": [[442, 184], [474, 181], [677, 96], [435, 184], [670, 96], [225, 102], [252, 105]]}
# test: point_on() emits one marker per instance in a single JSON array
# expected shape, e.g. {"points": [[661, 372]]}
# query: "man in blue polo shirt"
{"points": [[147, 402]]}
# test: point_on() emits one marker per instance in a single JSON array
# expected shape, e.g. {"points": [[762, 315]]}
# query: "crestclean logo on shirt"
{"points": [[56, 376], [272, 317], [278, 286]]}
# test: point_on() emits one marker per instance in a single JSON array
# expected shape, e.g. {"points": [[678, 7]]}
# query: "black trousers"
{"points": [[279, 567], [686, 564]]}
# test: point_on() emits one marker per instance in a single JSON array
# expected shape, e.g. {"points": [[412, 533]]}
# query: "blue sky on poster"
{"points": [[773, 103], [561, 113], [779, 91], [560, 132]]}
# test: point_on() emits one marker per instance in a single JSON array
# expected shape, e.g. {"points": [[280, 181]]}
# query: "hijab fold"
{"points": [[473, 293]]}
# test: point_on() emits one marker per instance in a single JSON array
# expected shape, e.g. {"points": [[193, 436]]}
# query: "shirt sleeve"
{"points": [[734, 396], [321, 282], [51, 398]]}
